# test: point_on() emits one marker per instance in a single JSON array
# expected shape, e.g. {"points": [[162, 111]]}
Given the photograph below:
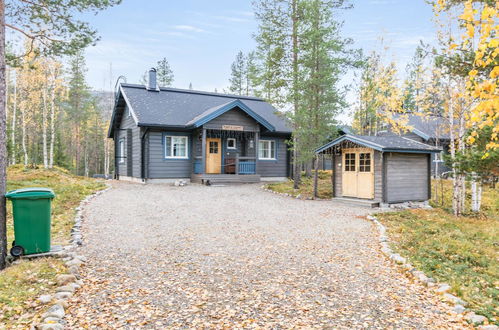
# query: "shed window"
{"points": [[350, 162], [266, 149], [121, 149], [231, 143], [365, 162], [176, 147]]}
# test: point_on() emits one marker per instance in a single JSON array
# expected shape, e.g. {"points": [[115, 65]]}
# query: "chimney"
{"points": [[151, 83]]}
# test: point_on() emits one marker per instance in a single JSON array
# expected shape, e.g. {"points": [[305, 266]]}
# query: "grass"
{"points": [[306, 189], [461, 251], [21, 284]]}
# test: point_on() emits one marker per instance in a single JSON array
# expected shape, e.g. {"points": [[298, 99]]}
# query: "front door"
{"points": [[213, 155], [358, 173]]}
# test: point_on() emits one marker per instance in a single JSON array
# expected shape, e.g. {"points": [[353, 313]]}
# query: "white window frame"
{"points": [[121, 148], [270, 143], [235, 143], [170, 156]]}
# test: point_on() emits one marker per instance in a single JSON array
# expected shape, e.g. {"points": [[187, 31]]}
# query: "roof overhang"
{"points": [[372, 145], [213, 113]]}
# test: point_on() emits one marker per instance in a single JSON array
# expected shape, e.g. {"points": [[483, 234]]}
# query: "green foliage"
{"points": [[237, 77], [53, 27], [460, 251], [164, 73]]}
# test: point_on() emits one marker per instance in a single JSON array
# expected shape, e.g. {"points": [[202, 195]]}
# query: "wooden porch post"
{"points": [[257, 143], [237, 164], [203, 152]]}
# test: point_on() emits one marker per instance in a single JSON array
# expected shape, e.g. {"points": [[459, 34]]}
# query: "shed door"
{"points": [[358, 173], [407, 177], [213, 155]]}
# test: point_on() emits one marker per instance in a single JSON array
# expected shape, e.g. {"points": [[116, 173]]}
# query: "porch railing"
{"points": [[245, 165]]}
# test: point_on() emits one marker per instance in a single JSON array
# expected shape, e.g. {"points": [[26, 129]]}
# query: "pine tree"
{"points": [[164, 73], [238, 75]]}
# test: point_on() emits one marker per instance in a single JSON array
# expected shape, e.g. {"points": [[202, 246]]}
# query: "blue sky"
{"points": [[201, 38]]}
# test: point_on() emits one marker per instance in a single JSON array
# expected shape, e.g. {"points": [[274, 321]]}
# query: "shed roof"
{"points": [[390, 143], [172, 107]]}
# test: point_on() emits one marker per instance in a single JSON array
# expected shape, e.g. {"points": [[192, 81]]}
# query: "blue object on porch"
{"points": [[246, 167], [198, 166]]}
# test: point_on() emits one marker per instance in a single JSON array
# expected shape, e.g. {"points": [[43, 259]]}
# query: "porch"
{"points": [[224, 178]]}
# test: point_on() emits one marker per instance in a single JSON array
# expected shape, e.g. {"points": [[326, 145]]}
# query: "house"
{"points": [[380, 169], [164, 134], [432, 130]]}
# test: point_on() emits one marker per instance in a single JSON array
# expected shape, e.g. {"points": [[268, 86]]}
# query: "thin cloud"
{"points": [[189, 28]]}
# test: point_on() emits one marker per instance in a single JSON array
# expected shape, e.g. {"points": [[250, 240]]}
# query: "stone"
{"points": [[459, 309], [63, 295], [45, 298], [386, 251], [475, 319], [65, 288], [52, 319], [55, 311], [74, 262], [398, 258], [79, 282], [488, 327], [454, 299], [64, 279], [75, 286], [443, 288], [63, 303], [82, 258], [74, 270], [51, 326]]}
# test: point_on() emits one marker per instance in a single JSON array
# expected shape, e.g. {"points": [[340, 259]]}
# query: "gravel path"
{"points": [[163, 256]]}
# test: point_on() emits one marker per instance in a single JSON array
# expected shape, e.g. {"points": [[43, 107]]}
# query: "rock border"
{"points": [[264, 188], [53, 318], [458, 305]]}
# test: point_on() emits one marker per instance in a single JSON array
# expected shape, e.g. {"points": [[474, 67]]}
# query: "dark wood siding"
{"points": [[131, 166], [337, 172], [233, 117], [378, 176], [406, 177], [161, 168], [275, 168]]}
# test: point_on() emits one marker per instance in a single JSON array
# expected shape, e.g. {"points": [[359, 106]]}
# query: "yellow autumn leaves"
{"points": [[480, 36]]}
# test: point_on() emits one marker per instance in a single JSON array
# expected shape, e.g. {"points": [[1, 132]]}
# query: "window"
{"points": [[365, 162], [176, 147], [231, 143], [350, 162], [121, 149], [266, 149], [213, 147]]}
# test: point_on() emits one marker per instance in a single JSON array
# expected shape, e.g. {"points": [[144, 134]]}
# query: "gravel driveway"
{"points": [[162, 256]]}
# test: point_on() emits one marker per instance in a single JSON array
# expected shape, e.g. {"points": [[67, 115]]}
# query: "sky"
{"points": [[200, 38]]}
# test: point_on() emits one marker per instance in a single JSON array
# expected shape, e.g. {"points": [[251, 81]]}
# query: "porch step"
{"points": [[357, 202], [225, 178]]}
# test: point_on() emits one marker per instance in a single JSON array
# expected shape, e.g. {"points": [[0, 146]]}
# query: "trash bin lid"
{"points": [[30, 193]]}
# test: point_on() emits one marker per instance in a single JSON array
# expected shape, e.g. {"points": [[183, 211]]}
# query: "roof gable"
{"points": [[216, 111], [383, 143]]}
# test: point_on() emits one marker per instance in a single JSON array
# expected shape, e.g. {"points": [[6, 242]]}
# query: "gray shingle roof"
{"points": [[428, 127], [180, 107], [392, 143]]}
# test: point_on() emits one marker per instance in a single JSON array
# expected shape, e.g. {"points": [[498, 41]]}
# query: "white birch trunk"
{"points": [[13, 124], [44, 128], [23, 138], [455, 179], [474, 193], [479, 196], [52, 121]]}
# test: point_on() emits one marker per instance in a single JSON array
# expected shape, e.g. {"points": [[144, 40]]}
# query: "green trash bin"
{"points": [[31, 211]]}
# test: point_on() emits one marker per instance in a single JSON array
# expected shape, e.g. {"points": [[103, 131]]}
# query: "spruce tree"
{"points": [[238, 75], [164, 73]]}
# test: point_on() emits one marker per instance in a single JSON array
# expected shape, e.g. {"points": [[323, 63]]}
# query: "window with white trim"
{"points": [[231, 143], [176, 147], [266, 149], [121, 148]]}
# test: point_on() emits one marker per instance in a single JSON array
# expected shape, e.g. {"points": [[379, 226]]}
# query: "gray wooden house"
{"points": [[163, 134], [380, 169]]}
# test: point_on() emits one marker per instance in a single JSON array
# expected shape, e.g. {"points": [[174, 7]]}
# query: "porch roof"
{"points": [[383, 143]]}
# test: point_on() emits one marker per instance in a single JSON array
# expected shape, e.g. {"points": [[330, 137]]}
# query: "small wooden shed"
{"points": [[382, 169]]}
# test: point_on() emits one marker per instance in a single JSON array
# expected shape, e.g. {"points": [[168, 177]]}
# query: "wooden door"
{"points": [[213, 155], [365, 175], [349, 186], [358, 173]]}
